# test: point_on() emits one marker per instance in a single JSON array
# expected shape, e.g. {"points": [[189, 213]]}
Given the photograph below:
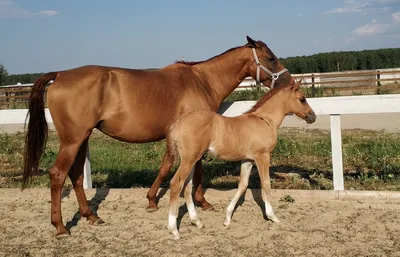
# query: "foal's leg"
{"points": [[198, 187], [58, 173], [166, 166], [76, 176], [245, 170], [194, 218], [263, 163], [176, 186]]}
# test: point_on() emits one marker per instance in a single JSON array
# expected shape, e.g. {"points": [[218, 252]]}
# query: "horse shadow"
{"points": [[94, 203]]}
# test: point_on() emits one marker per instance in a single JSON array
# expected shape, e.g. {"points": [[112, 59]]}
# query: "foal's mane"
{"points": [[209, 59], [267, 96]]}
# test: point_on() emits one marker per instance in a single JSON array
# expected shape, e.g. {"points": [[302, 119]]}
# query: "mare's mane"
{"points": [[209, 59]]}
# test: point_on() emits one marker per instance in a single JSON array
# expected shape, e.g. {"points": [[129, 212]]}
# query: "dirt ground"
{"points": [[318, 223]]}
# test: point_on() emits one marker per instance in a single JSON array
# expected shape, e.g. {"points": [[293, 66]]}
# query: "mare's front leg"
{"points": [[245, 170], [263, 163], [166, 166], [198, 187]]}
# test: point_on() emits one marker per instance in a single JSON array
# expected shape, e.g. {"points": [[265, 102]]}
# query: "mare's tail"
{"points": [[35, 141]]}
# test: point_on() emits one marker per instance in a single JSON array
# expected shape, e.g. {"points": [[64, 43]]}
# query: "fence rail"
{"points": [[342, 79], [333, 106], [14, 95]]}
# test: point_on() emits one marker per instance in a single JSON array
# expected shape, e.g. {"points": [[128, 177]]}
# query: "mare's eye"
{"points": [[302, 100], [271, 59]]}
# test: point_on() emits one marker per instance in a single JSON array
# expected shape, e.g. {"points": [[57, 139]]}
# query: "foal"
{"points": [[249, 137]]}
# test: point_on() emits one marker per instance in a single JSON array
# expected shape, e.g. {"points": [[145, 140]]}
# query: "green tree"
{"points": [[3, 75]]}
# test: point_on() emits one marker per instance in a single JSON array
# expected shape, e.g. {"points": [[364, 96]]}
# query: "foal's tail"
{"points": [[171, 144], [36, 137]]}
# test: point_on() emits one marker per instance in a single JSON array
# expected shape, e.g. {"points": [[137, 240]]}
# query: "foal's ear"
{"points": [[296, 85], [251, 42]]}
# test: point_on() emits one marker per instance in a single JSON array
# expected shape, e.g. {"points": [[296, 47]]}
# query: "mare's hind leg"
{"points": [[69, 147], [245, 170], [76, 176], [198, 187], [166, 166]]}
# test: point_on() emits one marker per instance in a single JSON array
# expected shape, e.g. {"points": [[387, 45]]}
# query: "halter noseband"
{"points": [[274, 76]]}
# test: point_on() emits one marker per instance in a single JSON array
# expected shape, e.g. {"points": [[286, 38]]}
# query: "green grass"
{"points": [[301, 160]]}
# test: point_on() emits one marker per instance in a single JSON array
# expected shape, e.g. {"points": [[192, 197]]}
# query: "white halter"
{"points": [[274, 76]]}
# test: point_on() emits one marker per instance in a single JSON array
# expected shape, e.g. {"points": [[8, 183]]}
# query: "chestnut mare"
{"points": [[134, 106], [249, 137]]}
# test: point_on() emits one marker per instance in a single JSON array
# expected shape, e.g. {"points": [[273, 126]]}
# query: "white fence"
{"points": [[249, 81], [333, 106]]}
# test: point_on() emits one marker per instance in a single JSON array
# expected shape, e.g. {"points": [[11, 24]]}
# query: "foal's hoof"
{"points": [[62, 235], [274, 219], [175, 233], [197, 223]]}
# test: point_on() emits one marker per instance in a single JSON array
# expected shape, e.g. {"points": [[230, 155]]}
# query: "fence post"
{"points": [[378, 78], [337, 162], [312, 85], [87, 172]]}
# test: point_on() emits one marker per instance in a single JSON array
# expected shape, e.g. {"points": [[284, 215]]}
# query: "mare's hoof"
{"points": [[205, 206], [151, 208], [96, 222], [208, 207], [62, 235]]}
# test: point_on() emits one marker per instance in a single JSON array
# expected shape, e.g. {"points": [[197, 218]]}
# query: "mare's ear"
{"points": [[296, 85], [251, 42]]}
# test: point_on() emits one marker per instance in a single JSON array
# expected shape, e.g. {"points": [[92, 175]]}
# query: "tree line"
{"points": [[344, 61], [322, 62]]}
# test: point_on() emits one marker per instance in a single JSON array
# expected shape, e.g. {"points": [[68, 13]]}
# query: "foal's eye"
{"points": [[302, 100]]}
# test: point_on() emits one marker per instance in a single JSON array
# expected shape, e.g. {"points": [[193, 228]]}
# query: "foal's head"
{"points": [[297, 104], [265, 66]]}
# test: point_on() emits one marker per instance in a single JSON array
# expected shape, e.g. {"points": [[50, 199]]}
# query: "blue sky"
{"points": [[47, 35]]}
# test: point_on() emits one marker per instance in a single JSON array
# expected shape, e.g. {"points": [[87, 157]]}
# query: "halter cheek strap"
{"points": [[274, 76]]}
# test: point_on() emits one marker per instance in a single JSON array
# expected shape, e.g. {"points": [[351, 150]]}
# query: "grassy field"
{"points": [[301, 160]]}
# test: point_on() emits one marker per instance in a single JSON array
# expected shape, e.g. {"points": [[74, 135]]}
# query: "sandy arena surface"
{"points": [[318, 223]]}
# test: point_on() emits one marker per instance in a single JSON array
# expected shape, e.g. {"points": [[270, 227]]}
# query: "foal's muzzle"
{"points": [[311, 117]]}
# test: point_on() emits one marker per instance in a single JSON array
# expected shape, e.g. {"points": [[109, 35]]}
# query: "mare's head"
{"points": [[297, 103], [265, 67]]}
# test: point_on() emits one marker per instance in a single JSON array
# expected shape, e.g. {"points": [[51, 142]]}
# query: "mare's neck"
{"points": [[224, 73]]}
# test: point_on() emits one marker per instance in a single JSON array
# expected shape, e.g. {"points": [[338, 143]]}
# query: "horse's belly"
{"points": [[227, 153], [133, 132]]}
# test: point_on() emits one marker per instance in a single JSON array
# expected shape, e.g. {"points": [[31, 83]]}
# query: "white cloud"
{"points": [[396, 17], [47, 13], [11, 10], [388, 1], [372, 28], [351, 6]]}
